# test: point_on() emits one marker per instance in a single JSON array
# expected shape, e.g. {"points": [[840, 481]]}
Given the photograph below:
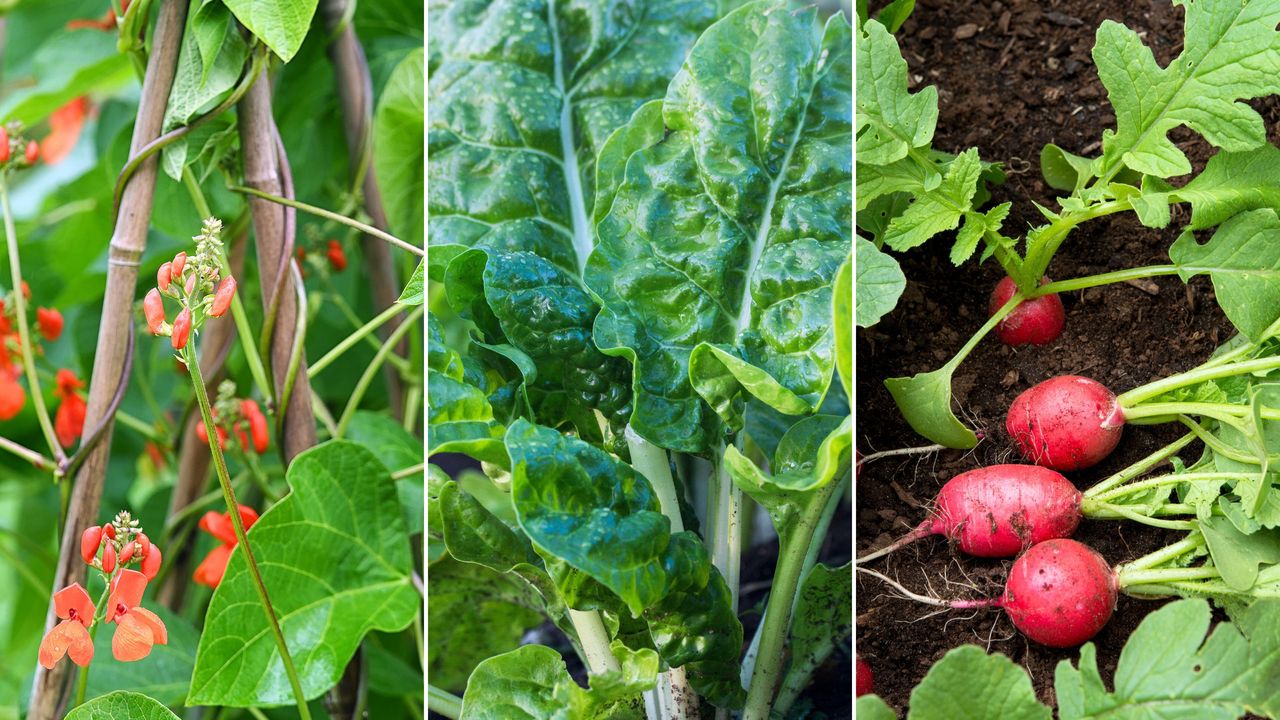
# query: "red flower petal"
{"points": [[74, 601], [126, 592], [68, 424], [159, 633], [214, 565], [12, 396], [67, 637], [133, 639], [65, 125], [151, 563]]}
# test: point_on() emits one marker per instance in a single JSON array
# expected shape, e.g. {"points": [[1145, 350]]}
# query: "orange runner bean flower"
{"points": [[214, 565], [137, 628], [71, 636], [49, 322], [68, 424]]}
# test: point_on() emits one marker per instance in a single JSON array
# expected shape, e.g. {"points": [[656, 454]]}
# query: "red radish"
{"points": [[1066, 423], [1060, 593], [1038, 321], [1000, 510], [863, 682]]}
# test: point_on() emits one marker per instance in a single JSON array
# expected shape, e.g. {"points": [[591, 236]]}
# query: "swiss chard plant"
{"points": [[639, 284], [909, 191]]}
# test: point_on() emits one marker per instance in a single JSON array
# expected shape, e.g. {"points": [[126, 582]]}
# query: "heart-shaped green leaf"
{"points": [[122, 705], [335, 558]]}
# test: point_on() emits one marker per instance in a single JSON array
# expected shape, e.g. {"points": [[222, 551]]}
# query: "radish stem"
{"points": [[1194, 377], [1142, 465]]}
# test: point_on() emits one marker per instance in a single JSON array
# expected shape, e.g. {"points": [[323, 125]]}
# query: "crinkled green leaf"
{"points": [[459, 414], [473, 613], [730, 231], [334, 555], [121, 705], [968, 683], [581, 504], [281, 24], [524, 95], [925, 402], [545, 314], [813, 453], [644, 129], [532, 683], [399, 129], [473, 534], [1231, 52], [695, 627], [1243, 260], [890, 120], [823, 620]]}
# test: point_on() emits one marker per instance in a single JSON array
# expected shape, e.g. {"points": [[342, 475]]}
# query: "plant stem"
{"points": [[82, 682], [1222, 412], [1141, 466], [652, 462], [1215, 444], [1040, 252], [24, 330], [409, 471], [1089, 281], [367, 377], [595, 641], [115, 336], [1093, 505], [1127, 578], [330, 215], [1194, 377], [1163, 480], [777, 620], [229, 496], [347, 342], [445, 703], [1163, 555], [28, 454], [398, 363], [1152, 510], [727, 523]]}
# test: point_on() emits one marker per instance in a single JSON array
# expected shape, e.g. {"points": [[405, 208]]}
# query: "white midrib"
{"points": [[766, 224], [582, 243]]}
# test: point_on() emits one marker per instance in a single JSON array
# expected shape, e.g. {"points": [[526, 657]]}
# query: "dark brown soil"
{"points": [[1023, 79]]}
